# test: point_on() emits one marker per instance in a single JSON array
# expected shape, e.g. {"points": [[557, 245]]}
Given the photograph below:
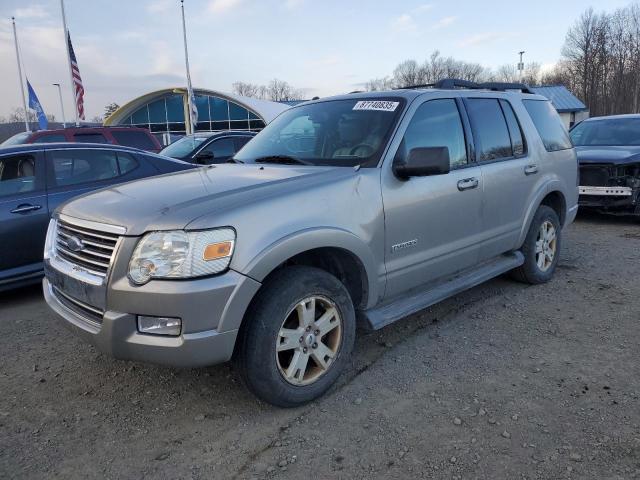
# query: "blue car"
{"points": [[35, 179]]}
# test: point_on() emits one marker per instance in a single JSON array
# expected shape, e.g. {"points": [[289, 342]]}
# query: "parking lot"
{"points": [[503, 381]]}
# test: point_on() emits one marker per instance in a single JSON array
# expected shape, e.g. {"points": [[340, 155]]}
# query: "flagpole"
{"points": [[24, 99], [64, 123], [189, 123], [66, 42]]}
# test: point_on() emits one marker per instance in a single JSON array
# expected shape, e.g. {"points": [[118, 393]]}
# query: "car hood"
{"points": [[173, 201], [614, 155]]}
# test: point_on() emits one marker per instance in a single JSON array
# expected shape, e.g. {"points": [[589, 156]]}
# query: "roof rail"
{"points": [[502, 86], [453, 83]]}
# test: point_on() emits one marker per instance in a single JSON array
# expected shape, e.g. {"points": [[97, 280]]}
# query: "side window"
{"points": [[134, 138], [50, 138], [89, 138], [437, 123], [74, 166], [17, 175], [548, 124], [240, 142], [489, 127], [223, 148], [517, 138], [126, 163]]}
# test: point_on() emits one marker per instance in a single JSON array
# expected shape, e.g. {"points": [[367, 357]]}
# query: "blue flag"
{"points": [[34, 104]]}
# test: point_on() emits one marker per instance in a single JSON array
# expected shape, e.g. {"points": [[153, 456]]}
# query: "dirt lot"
{"points": [[503, 381]]}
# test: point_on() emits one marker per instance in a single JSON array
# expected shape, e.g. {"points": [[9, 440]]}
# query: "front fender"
{"points": [[283, 249]]}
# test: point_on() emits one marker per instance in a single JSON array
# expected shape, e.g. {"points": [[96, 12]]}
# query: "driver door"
{"points": [[433, 224]]}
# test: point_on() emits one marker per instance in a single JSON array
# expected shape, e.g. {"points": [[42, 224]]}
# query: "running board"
{"points": [[386, 314]]}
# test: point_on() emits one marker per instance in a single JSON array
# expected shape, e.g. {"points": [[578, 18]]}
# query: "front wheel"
{"points": [[541, 248], [297, 336]]}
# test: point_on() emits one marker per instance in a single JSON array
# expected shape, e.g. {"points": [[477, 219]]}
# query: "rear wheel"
{"points": [[541, 248], [297, 336]]}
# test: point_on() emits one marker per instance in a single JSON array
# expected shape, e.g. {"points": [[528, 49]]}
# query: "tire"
{"points": [[279, 318], [531, 270]]}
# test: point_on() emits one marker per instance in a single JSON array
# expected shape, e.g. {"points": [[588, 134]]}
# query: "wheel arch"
{"points": [[551, 195], [336, 251]]}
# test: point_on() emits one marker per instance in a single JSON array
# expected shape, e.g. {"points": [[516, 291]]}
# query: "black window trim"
{"points": [[466, 131], [501, 159], [525, 142]]}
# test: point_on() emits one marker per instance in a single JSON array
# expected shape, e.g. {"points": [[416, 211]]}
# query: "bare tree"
{"points": [[17, 115], [277, 91]]}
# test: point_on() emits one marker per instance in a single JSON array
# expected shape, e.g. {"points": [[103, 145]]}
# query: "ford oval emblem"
{"points": [[75, 244]]}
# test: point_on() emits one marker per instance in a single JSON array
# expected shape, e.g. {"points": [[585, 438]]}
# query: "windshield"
{"points": [[17, 139], [183, 147], [337, 132], [609, 132]]}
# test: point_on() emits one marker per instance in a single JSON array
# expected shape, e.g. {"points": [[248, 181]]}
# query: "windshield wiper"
{"points": [[286, 159], [234, 160]]}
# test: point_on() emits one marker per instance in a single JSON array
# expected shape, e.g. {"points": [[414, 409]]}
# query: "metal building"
{"points": [[165, 112]]}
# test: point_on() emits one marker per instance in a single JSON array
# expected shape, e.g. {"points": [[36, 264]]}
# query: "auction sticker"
{"points": [[381, 105]]}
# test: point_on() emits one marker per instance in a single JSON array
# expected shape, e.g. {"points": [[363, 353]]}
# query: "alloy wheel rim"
{"points": [[546, 245], [309, 340]]}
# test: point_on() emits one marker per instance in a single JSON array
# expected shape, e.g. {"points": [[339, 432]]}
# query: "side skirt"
{"points": [[399, 308]]}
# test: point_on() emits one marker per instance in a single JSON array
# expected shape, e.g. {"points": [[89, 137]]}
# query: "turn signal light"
{"points": [[215, 251]]}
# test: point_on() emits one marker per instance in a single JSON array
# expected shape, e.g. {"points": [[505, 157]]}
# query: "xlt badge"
{"points": [[401, 246]]}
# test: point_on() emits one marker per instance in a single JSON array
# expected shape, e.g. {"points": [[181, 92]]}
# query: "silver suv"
{"points": [[368, 205]]}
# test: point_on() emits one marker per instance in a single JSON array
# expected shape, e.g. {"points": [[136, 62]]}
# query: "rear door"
{"points": [[433, 223], [508, 171], [23, 212]]}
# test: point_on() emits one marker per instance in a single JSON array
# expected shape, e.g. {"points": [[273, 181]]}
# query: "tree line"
{"points": [[276, 90]]}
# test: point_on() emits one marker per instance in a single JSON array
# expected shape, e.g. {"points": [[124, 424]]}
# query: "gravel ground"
{"points": [[503, 381]]}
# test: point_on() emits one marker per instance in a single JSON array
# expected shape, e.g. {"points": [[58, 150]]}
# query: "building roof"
{"points": [[561, 98], [265, 109]]}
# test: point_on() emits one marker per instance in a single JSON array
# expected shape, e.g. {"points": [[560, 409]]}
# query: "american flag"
{"points": [[77, 81]]}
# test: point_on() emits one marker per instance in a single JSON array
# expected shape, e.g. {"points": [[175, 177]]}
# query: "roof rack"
{"points": [[454, 83]]}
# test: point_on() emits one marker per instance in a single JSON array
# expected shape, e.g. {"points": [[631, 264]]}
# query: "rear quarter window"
{"points": [[134, 138], [548, 124]]}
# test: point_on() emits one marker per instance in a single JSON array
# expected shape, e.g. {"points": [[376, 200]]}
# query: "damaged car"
{"points": [[608, 151]]}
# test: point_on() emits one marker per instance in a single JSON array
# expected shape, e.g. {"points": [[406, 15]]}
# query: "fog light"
{"points": [[159, 325]]}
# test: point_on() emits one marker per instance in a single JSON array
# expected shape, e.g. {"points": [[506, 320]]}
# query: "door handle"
{"points": [[467, 183], [530, 169], [25, 208]]}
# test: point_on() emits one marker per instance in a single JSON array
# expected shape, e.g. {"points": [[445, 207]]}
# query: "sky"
{"points": [[126, 48]]}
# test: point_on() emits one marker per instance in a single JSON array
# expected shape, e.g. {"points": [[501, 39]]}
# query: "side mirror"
{"points": [[205, 157], [422, 162]]}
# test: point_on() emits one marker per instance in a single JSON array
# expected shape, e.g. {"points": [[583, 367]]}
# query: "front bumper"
{"points": [[609, 198], [211, 310]]}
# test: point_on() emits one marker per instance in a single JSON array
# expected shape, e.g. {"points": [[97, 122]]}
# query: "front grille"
{"points": [[88, 312], [594, 176], [92, 249]]}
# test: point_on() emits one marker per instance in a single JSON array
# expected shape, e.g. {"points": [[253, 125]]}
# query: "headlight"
{"points": [[180, 254]]}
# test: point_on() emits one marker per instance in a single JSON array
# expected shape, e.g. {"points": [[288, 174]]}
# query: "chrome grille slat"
{"points": [[96, 253], [91, 233], [88, 250]]}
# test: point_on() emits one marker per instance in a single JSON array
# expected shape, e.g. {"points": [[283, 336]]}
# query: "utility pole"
{"points": [[64, 123], [190, 127], [24, 99], [521, 65], [66, 42]]}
